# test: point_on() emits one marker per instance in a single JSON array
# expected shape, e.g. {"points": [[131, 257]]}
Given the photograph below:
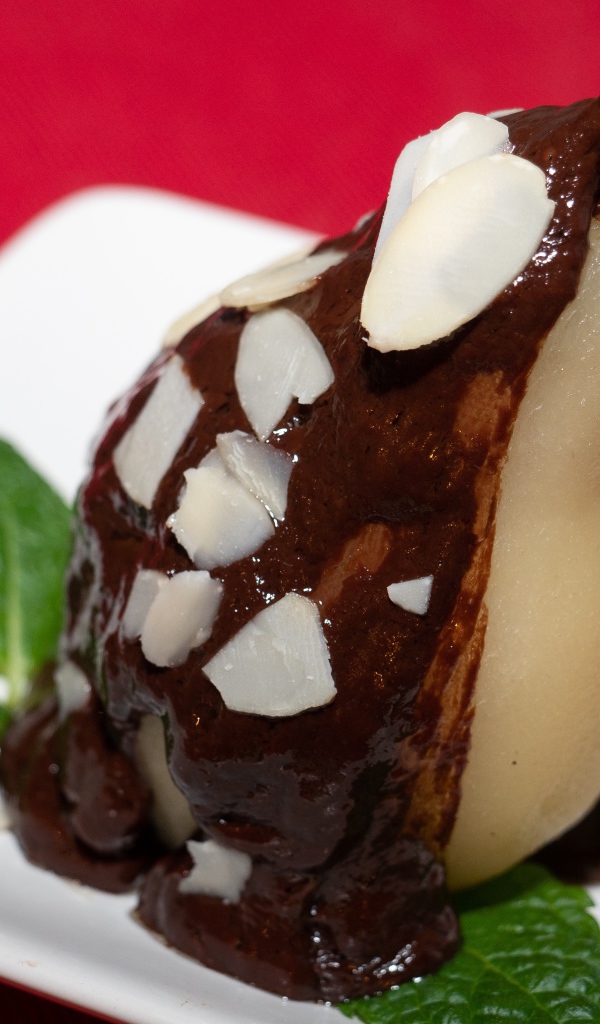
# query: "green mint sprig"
{"points": [[531, 955], [35, 540]]}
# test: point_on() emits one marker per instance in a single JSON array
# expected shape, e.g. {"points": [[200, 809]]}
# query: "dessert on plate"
{"points": [[331, 613]]}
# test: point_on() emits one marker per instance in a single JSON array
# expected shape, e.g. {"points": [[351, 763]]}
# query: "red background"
{"points": [[292, 111], [295, 112]]}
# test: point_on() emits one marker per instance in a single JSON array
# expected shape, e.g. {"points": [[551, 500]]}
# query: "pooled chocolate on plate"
{"points": [[332, 605]]}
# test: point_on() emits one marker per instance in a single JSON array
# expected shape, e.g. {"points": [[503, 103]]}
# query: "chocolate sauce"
{"points": [[48, 821], [346, 809]]}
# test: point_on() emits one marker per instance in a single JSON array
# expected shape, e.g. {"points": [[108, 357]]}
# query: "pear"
{"points": [[534, 764]]}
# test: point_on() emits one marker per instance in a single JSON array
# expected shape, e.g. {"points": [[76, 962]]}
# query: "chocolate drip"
{"points": [[109, 852], [346, 809]]}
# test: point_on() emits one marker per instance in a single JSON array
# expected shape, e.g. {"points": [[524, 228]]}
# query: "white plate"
{"points": [[86, 292], [83, 947]]}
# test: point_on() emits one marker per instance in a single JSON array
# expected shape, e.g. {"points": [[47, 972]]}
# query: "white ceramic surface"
{"points": [[82, 946], [86, 292]]}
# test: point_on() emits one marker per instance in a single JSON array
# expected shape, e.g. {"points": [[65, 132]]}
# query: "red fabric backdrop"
{"points": [[292, 111], [296, 112]]}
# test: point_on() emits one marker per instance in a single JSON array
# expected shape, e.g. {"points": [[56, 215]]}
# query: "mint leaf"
{"points": [[35, 540], [531, 955]]}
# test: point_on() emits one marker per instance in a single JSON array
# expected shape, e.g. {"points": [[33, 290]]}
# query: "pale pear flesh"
{"points": [[171, 811], [534, 765]]}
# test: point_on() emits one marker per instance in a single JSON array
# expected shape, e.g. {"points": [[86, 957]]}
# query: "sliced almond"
{"points": [[146, 451], [180, 618], [505, 111], [72, 688], [195, 316], [279, 358], [218, 521], [213, 460], [401, 188], [262, 469], [217, 871], [280, 281], [412, 595], [460, 243], [145, 588], [466, 137], [362, 220], [278, 663]]}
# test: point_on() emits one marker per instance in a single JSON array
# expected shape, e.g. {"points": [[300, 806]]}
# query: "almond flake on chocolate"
{"points": [[504, 112], [146, 451], [363, 219], [218, 521], [263, 470], [72, 688], [146, 586], [466, 137], [217, 871], [401, 188], [178, 330], [460, 243], [278, 663], [180, 618], [412, 595], [281, 280], [279, 358]]}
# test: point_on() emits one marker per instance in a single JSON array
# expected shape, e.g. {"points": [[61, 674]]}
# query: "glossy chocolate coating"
{"points": [[94, 829], [345, 809]]}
